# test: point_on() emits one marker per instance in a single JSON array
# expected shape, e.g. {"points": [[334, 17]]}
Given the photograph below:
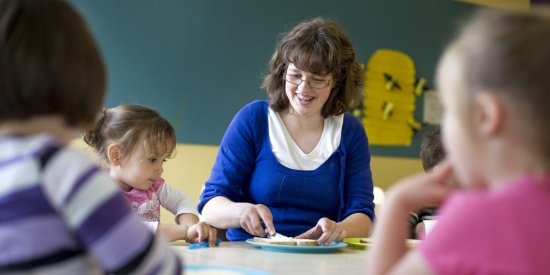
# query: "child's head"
{"points": [[133, 140], [320, 47], [431, 149], [49, 63], [495, 91]]}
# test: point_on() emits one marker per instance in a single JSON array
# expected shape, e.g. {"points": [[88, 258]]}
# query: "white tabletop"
{"points": [[342, 261]]}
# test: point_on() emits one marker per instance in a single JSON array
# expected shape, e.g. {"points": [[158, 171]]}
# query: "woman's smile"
{"points": [[304, 98]]}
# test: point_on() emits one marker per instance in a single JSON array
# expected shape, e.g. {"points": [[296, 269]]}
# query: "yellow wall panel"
{"points": [[192, 165]]}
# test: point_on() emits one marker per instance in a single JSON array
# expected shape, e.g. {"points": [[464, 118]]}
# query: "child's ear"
{"points": [[113, 153], [490, 115]]}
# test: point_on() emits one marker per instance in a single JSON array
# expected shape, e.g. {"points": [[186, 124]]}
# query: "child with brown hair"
{"points": [[60, 213], [134, 141], [495, 91], [431, 154]]}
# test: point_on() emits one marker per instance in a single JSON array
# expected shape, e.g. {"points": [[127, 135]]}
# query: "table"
{"points": [[343, 261]]}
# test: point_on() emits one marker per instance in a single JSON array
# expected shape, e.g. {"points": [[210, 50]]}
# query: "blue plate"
{"points": [[221, 269], [298, 249]]}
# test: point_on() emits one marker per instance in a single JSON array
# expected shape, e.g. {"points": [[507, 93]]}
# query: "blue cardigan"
{"points": [[247, 171]]}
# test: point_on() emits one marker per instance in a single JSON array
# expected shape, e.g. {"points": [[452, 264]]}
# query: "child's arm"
{"points": [[177, 202], [185, 210], [388, 253], [189, 229], [172, 232], [187, 219]]}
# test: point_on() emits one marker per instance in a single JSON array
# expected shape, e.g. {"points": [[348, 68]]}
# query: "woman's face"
{"points": [[457, 131], [305, 100]]}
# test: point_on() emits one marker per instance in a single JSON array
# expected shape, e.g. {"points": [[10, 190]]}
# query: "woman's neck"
{"points": [[296, 121], [305, 131]]}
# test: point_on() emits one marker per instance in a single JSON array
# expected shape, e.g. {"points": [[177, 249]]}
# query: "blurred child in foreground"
{"points": [[60, 213], [495, 91]]}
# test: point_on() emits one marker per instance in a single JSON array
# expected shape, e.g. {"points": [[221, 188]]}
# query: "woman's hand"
{"points": [[325, 232], [202, 231], [254, 218]]}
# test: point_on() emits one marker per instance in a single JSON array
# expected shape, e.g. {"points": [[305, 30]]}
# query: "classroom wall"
{"points": [[191, 168], [199, 62]]}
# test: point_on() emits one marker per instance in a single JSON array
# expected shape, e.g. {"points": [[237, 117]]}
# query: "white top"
{"points": [[290, 155]]}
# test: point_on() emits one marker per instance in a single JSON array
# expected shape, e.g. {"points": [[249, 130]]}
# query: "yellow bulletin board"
{"points": [[389, 98]]}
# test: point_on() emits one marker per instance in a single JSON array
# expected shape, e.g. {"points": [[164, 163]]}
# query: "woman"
{"points": [[298, 164]]}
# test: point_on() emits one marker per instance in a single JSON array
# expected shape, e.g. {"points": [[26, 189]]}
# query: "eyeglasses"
{"points": [[315, 84]]}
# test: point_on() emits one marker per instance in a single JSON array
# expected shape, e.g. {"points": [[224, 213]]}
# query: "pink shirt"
{"points": [[146, 203], [506, 231]]}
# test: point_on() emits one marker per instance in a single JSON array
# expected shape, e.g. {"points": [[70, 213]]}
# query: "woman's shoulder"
{"points": [[253, 112], [256, 106], [351, 121], [352, 127]]}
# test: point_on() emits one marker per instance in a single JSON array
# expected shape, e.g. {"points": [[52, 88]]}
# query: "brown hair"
{"points": [[319, 46], [508, 53], [431, 149], [49, 63], [127, 124]]}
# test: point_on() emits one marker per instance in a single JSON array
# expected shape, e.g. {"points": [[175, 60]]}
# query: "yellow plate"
{"points": [[363, 243]]}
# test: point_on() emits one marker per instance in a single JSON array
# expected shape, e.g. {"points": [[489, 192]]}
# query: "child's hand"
{"points": [[420, 191], [202, 232]]}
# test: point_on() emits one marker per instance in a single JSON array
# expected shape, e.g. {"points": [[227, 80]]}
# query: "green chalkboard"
{"points": [[199, 62]]}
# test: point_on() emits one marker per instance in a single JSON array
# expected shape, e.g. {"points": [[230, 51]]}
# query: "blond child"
{"points": [[495, 91], [60, 213], [134, 141]]}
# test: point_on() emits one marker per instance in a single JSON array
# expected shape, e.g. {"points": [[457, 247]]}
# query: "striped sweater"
{"points": [[63, 215]]}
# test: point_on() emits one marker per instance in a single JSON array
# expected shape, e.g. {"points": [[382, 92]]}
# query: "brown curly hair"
{"points": [[319, 46]]}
